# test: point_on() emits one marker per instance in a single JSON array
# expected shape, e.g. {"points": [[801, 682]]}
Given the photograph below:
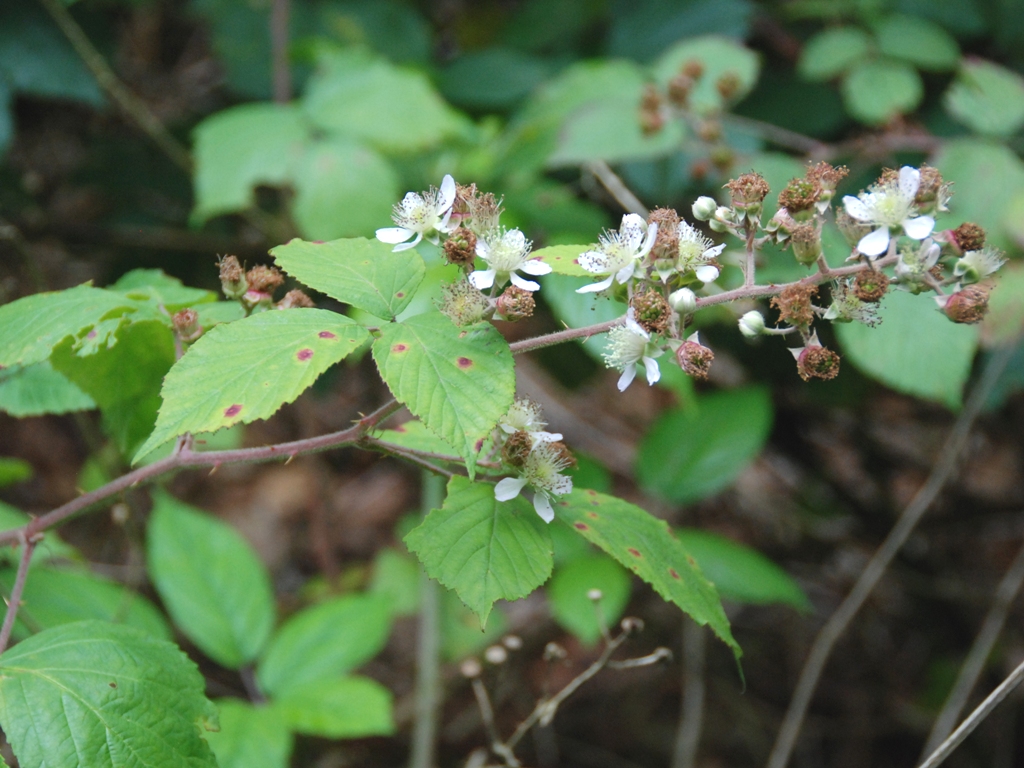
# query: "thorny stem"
{"points": [[28, 545], [840, 620]]}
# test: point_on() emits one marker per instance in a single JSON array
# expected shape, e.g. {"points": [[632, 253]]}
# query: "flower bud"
{"points": [[232, 278], [704, 208], [748, 191], [800, 197], [806, 243], [694, 358], [264, 279], [752, 324], [460, 247], [683, 301], [816, 362], [295, 298], [968, 237], [186, 325], [968, 306], [781, 224], [515, 303]]}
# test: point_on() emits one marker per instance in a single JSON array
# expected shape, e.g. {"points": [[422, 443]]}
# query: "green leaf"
{"points": [[492, 78], [211, 581], [34, 325], [695, 452], [363, 273], [124, 379], [564, 259], [720, 57], [103, 695], [573, 609], [250, 736], [987, 98], [986, 177], [740, 573], [37, 389], [458, 381], [484, 549], [832, 52], [160, 288], [55, 596], [414, 435], [916, 350], [325, 641], [577, 310], [397, 577], [349, 708], [13, 471], [875, 91], [239, 148], [246, 370], [1004, 322], [646, 546], [216, 312], [368, 99], [919, 41]]}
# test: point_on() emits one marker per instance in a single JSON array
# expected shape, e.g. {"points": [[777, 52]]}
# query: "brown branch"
{"points": [[28, 545], [281, 74]]}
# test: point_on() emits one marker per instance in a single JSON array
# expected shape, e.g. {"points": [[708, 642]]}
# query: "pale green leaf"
{"points": [[325, 641], [484, 549], [646, 546], [37, 389], [987, 98], [832, 51], [918, 41], [610, 131], [216, 312], [250, 736], [719, 57], [916, 350], [241, 147], [740, 573], [347, 708], [569, 589], [246, 370], [101, 695], [695, 452], [875, 91], [55, 596], [343, 189], [363, 273], [13, 471], [34, 325], [157, 286], [564, 259], [397, 577], [415, 436], [211, 581], [458, 381], [577, 310]]}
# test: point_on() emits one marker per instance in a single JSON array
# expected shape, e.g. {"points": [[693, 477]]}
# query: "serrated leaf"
{"points": [[564, 259], [695, 452], [347, 708], [720, 57], [831, 52], [55, 596], [123, 379], [740, 573], [157, 286], [568, 594], [916, 350], [919, 41], [646, 546], [363, 273], [250, 736], [246, 370], [458, 381], [987, 98], [211, 581], [239, 148], [484, 549], [103, 695], [875, 91], [34, 325], [36, 389], [325, 641]]}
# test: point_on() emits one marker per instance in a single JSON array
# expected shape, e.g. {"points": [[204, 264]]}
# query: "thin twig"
{"points": [[617, 188], [691, 719], [840, 620], [500, 748], [28, 546], [974, 663], [281, 73], [975, 718]]}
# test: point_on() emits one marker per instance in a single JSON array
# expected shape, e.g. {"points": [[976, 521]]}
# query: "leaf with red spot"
{"points": [[458, 381], [246, 370], [484, 549], [646, 546], [363, 273]]}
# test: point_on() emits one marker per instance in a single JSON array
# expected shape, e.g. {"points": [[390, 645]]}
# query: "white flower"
{"points": [[914, 263], [542, 471], [628, 345], [977, 265], [525, 416], [419, 216], [889, 206], [618, 252], [505, 253], [695, 251], [683, 301]]}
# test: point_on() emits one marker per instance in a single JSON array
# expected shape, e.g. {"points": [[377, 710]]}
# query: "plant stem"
{"points": [[281, 74], [428, 649], [28, 545], [692, 716]]}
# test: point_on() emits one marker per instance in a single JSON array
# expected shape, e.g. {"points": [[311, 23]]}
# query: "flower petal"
{"points": [[856, 208], [919, 228], [707, 274], [509, 488], [392, 235], [483, 279], [407, 246], [595, 287], [447, 193], [874, 243], [653, 371], [910, 180], [535, 267], [626, 272], [542, 504], [526, 285], [594, 262], [652, 234], [627, 377]]}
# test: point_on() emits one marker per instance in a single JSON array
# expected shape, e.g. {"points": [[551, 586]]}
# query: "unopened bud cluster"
{"points": [[255, 288]]}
